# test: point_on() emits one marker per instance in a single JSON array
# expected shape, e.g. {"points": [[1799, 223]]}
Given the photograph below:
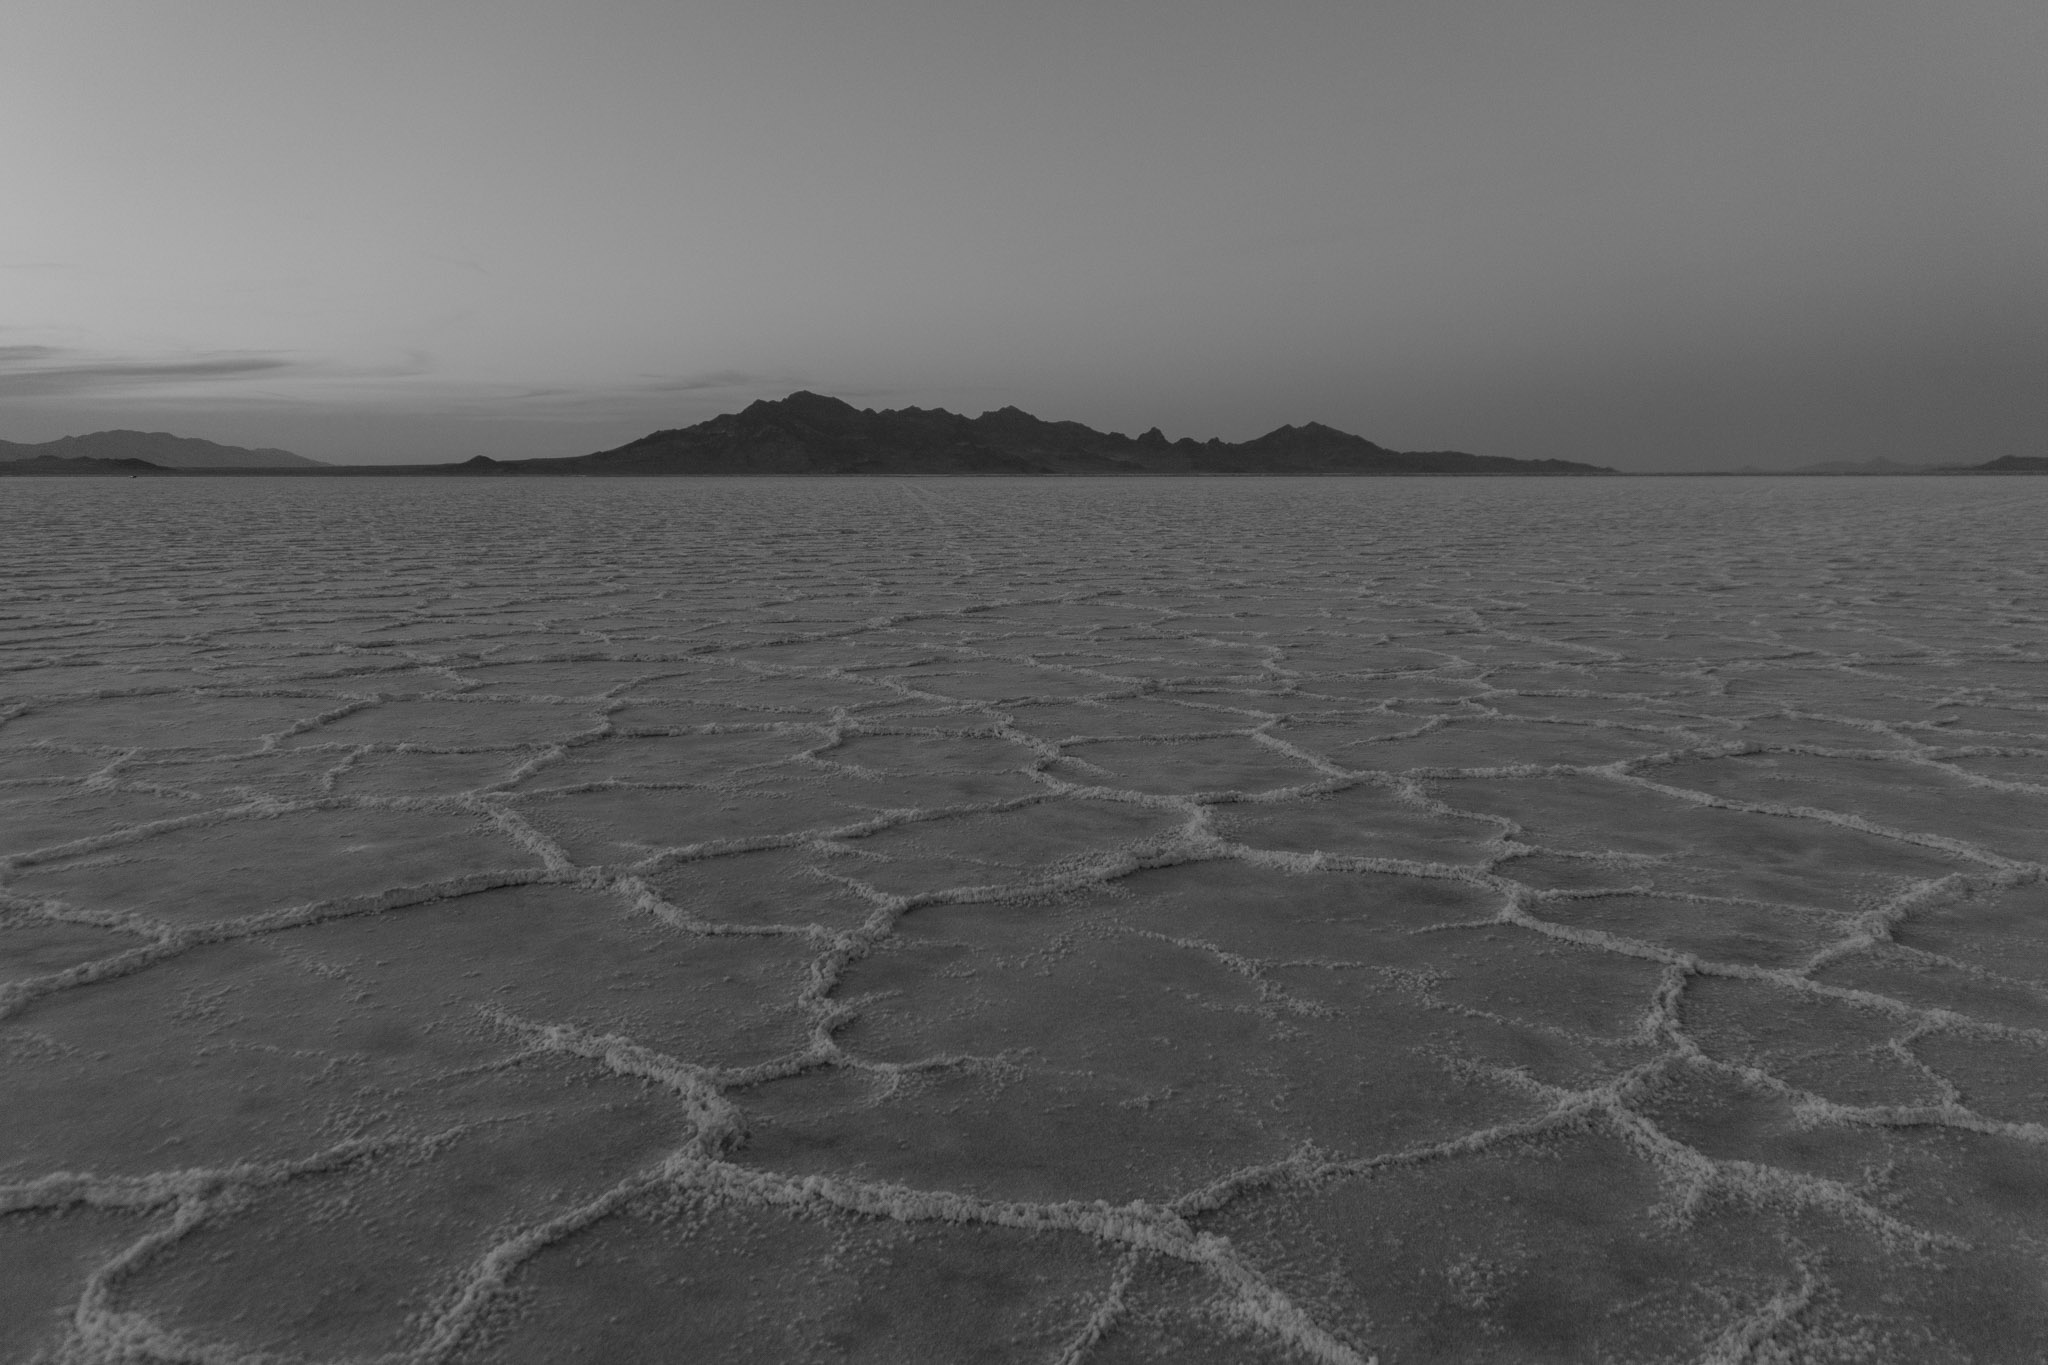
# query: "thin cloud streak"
{"points": [[44, 371], [54, 371], [36, 379], [585, 394]]}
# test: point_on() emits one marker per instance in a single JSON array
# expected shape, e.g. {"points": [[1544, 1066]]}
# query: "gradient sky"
{"points": [[1655, 236]]}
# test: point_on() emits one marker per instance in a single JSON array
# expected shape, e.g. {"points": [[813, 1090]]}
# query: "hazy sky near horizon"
{"points": [[1653, 236]]}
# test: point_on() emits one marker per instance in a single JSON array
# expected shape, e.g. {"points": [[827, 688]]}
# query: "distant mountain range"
{"points": [[1879, 465], [158, 448], [2004, 464], [808, 433]]}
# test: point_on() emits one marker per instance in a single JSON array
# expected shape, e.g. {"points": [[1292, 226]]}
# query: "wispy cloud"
{"points": [[56, 371], [406, 386], [647, 386], [38, 371], [716, 379]]}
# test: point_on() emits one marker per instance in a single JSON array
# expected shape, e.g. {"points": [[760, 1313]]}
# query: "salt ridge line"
{"points": [[558, 860], [1701, 1178], [100, 1331], [719, 1127]]}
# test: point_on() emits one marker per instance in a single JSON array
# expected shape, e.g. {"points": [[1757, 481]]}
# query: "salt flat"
{"points": [[1208, 920]]}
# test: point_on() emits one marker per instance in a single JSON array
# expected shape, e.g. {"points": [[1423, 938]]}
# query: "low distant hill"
{"points": [[1879, 465], [808, 433], [158, 448], [58, 465], [2008, 464]]}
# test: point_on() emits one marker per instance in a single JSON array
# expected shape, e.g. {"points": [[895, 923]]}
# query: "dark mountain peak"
{"points": [[803, 400], [1009, 418], [1008, 414], [1311, 431], [802, 403], [813, 433]]}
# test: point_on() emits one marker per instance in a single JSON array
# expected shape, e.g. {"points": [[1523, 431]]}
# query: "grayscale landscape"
{"points": [[889, 682], [1053, 921]]}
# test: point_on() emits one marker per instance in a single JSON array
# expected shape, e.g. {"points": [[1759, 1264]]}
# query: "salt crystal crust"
{"points": [[942, 920]]}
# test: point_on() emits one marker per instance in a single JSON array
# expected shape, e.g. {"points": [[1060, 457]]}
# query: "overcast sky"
{"points": [[1649, 235]]}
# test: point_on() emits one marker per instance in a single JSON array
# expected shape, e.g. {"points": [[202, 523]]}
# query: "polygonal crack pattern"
{"points": [[1067, 921]]}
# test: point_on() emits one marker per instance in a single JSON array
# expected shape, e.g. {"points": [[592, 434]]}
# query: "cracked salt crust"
{"points": [[1317, 920]]}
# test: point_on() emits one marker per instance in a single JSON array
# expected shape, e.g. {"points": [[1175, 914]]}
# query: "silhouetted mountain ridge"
{"points": [[158, 448], [810, 433]]}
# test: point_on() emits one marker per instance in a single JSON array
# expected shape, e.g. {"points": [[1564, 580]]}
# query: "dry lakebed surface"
{"points": [[1055, 921]]}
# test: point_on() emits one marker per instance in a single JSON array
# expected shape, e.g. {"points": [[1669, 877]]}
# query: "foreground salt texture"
{"points": [[1056, 922]]}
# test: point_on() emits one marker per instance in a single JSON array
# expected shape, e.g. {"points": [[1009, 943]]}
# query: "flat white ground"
{"points": [[1217, 920]]}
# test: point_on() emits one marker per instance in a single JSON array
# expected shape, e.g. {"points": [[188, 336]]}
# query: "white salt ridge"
{"points": [[1219, 616]]}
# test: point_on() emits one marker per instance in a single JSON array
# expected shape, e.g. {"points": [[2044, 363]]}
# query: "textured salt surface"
{"points": [[1199, 921]]}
